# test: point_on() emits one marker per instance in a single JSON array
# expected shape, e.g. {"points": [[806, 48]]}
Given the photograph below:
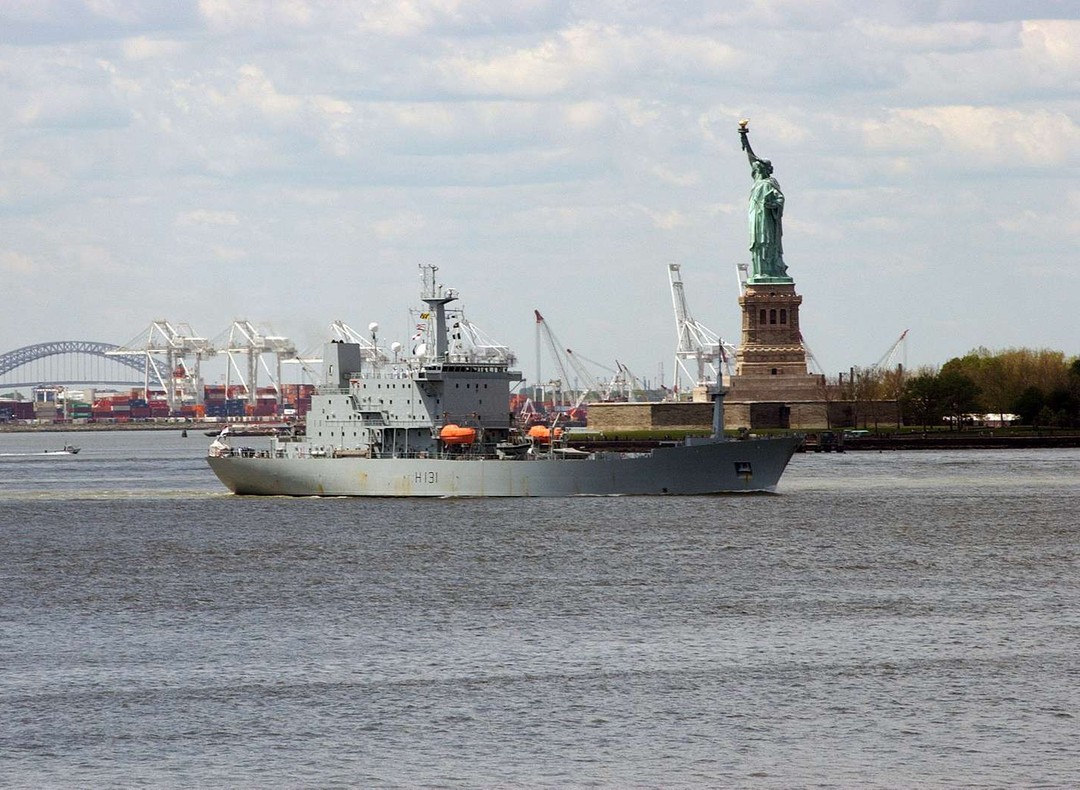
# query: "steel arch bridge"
{"points": [[79, 362]]}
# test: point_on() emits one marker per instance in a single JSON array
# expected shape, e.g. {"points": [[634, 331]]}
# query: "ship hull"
{"points": [[706, 468]]}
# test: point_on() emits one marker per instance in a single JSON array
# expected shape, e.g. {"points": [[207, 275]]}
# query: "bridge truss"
{"points": [[80, 362]]}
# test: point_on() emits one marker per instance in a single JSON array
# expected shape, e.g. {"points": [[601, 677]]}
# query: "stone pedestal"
{"points": [[770, 363]]}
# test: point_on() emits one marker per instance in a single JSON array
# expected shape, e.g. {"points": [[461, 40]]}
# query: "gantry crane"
{"points": [[176, 343], [695, 341], [245, 338]]}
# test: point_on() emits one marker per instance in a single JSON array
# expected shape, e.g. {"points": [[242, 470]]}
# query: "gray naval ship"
{"points": [[438, 424]]}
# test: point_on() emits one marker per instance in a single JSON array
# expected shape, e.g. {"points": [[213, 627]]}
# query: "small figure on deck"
{"points": [[766, 213]]}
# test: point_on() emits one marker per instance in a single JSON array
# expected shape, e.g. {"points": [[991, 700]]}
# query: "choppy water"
{"points": [[888, 620]]}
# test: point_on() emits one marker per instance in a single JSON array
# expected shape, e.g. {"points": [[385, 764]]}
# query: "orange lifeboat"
{"points": [[542, 433], [455, 434]]}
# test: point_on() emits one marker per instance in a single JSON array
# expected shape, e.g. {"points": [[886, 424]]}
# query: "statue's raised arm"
{"points": [[744, 134]]}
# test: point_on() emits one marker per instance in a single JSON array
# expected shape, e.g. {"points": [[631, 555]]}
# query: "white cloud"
{"points": [[205, 217], [230, 14], [676, 179], [664, 220], [399, 226], [939, 36], [141, 48], [401, 18], [979, 137], [725, 208], [229, 254], [15, 263], [586, 56], [1056, 41], [253, 86], [332, 106]]}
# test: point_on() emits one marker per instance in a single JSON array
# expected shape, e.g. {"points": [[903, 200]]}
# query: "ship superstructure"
{"points": [[437, 423], [433, 403]]}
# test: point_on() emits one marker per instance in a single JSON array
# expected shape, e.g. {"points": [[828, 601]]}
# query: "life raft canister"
{"points": [[455, 434], [542, 433]]}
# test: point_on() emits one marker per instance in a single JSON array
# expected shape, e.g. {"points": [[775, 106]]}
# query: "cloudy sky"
{"points": [[293, 162]]}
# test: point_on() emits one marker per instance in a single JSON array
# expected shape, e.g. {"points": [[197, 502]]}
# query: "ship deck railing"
{"points": [[427, 372], [251, 452]]}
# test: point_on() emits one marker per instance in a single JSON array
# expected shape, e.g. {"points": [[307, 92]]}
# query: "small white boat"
{"points": [[68, 450]]}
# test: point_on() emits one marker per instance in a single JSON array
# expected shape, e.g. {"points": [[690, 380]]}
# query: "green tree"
{"points": [[958, 393], [922, 398], [1065, 405], [866, 389], [892, 388], [1028, 405], [987, 369]]}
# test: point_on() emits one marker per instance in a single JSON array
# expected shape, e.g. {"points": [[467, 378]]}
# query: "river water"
{"points": [[887, 620]]}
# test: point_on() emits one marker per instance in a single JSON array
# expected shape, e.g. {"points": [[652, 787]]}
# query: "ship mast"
{"points": [[437, 300]]}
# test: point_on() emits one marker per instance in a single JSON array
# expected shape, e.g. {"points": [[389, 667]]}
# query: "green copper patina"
{"points": [[766, 220]]}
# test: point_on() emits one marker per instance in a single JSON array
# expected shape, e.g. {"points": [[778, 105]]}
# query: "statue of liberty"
{"points": [[766, 216]]}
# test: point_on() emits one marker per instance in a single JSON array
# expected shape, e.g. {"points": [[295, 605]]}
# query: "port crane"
{"points": [[810, 358], [628, 381], [176, 343], [742, 272], [607, 389], [244, 338], [696, 343], [553, 344], [888, 356], [622, 380], [583, 374]]}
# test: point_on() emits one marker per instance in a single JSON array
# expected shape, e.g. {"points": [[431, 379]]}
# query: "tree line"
{"points": [[1040, 386]]}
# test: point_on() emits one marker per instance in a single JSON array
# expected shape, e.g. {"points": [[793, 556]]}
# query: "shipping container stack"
{"points": [[18, 409], [191, 411], [102, 410], [121, 407], [214, 407]]}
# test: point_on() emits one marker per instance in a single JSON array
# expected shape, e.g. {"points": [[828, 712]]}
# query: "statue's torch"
{"points": [[743, 131]]}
